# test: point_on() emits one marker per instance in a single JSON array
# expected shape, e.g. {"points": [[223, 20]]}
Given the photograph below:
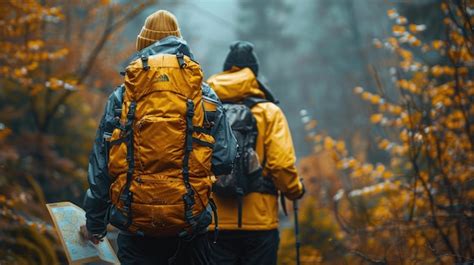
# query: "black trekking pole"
{"points": [[297, 232]]}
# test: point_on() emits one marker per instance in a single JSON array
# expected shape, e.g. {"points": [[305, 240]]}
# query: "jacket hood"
{"points": [[168, 45], [235, 85]]}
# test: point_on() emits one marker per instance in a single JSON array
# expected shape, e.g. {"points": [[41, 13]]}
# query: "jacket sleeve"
{"points": [[96, 200], [225, 146], [280, 154]]}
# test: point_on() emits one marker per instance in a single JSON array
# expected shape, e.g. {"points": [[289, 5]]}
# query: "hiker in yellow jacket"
{"points": [[249, 221]]}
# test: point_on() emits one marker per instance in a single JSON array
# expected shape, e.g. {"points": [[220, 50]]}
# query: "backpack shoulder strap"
{"points": [[117, 96], [250, 102], [113, 111]]}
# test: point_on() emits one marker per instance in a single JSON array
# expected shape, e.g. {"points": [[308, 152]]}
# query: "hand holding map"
{"points": [[67, 219], [86, 235]]}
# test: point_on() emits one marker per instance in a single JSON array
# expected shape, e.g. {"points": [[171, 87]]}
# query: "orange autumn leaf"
{"points": [[376, 118]]}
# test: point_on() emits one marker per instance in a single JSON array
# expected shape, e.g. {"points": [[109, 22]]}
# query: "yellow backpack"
{"points": [[160, 152]]}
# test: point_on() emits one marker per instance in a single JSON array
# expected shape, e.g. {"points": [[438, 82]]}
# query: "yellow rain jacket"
{"points": [[260, 211]]}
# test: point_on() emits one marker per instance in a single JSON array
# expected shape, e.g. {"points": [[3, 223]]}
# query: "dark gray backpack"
{"points": [[247, 174]]}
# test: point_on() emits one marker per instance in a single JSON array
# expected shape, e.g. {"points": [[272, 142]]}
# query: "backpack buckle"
{"points": [[185, 170], [190, 112], [117, 112], [188, 200], [107, 135], [180, 57], [131, 110], [189, 214], [124, 197], [145, 65]]}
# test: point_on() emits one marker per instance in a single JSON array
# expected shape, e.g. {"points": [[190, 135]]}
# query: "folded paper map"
{"points": [[68, 218]]}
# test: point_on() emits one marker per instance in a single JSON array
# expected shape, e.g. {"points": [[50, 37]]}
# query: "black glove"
{"points": [[303, 190]]}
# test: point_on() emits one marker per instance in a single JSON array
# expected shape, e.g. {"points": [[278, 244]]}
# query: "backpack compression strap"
{"points": [[188, 198], [126, 196]]}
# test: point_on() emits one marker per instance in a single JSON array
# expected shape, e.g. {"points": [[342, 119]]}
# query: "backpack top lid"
{"points": [[164, 73], [236, 85]]}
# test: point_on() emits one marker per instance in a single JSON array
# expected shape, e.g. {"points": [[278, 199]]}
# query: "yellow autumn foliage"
{"points": [[418, 203]]}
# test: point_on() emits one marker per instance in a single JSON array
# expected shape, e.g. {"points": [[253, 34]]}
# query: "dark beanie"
{"points": [[241, 54]]}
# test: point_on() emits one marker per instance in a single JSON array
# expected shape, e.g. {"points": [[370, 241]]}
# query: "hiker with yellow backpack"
{"points": [[163, 136], [247, 198]]}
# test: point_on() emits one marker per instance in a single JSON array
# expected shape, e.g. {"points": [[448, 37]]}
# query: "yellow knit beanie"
{"points": [[157, 26]]}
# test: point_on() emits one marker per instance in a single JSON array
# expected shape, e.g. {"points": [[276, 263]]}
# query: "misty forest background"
{"points": [[377, 93]]}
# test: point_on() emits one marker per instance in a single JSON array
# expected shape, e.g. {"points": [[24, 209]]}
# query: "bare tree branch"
{"points": [[368, 259], [84, 71]]}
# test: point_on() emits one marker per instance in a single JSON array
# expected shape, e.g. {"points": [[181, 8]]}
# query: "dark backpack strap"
{"points": [[263, 185], [126, 195], [239, 210], [216, 219], [180, 57], [145, 65], [283, 203], [188, 197], [116, 101], [250, 102], [202, 130], [240, 192]]}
